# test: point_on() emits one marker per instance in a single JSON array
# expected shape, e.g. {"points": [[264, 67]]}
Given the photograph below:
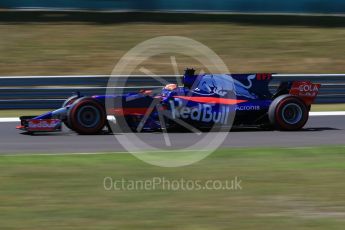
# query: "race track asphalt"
{"points": [[325, 130]]}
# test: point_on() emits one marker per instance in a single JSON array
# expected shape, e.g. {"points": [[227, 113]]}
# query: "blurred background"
{"points": [[283, 188], [88, 36], [292, 6]]}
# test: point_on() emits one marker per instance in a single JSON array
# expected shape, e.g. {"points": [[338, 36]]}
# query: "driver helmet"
{"points": [[189, 78]]}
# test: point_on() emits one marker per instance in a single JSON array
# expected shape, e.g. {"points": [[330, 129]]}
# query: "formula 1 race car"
{"points": [[204, 101]]}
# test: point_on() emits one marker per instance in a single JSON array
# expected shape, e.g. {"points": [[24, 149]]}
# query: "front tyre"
{"points": [[69, 101], [87, 116], [288, 113]]}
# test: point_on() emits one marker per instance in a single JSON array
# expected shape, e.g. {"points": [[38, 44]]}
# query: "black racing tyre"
{"points": [[70, 100], [86, 116], [67, 124], [67, 102], [288, 113]]}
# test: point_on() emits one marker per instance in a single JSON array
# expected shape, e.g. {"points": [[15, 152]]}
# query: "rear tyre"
{"points": [[288, 113], [86, 116]]}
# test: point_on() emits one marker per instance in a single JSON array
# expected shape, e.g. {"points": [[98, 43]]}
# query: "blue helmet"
{"points": [[189, 78]]}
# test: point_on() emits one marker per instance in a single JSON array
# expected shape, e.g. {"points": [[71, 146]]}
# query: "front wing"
{"points": [[40, 125]]}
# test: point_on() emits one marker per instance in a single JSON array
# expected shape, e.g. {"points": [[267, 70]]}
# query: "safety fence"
{"points": [[49, 92], [291, 6]]}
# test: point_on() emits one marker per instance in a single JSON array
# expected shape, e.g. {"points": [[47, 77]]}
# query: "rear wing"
{"points": [[305, 90]]}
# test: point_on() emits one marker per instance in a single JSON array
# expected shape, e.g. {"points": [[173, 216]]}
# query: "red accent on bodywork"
{"points": [[212, 100], [263, 76], [305, 90], [146, 92], [143, 111], [128, 111]]}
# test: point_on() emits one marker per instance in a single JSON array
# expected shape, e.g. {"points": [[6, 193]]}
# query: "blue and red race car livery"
{"points": [[203, 102]]}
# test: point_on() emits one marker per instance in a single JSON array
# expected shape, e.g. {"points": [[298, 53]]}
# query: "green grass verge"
{"points": [[327, 107], [281, 189], [54, 48], [28, 112], [21, 112]]}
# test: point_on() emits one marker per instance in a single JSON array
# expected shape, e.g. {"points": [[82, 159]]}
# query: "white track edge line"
{"points": [[312, 114], [328, 113], [9, 119], [124, 152], [100, 153]]}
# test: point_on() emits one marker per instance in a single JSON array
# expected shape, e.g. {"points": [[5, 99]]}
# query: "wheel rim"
{"points": [[292, 113], [88, 116]]}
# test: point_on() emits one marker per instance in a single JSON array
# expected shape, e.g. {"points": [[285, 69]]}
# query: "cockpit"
{"points": [[204, 85]]}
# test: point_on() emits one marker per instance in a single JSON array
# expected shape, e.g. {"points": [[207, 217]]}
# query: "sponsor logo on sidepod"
{"points": [[248, 108], [201, 112]]}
